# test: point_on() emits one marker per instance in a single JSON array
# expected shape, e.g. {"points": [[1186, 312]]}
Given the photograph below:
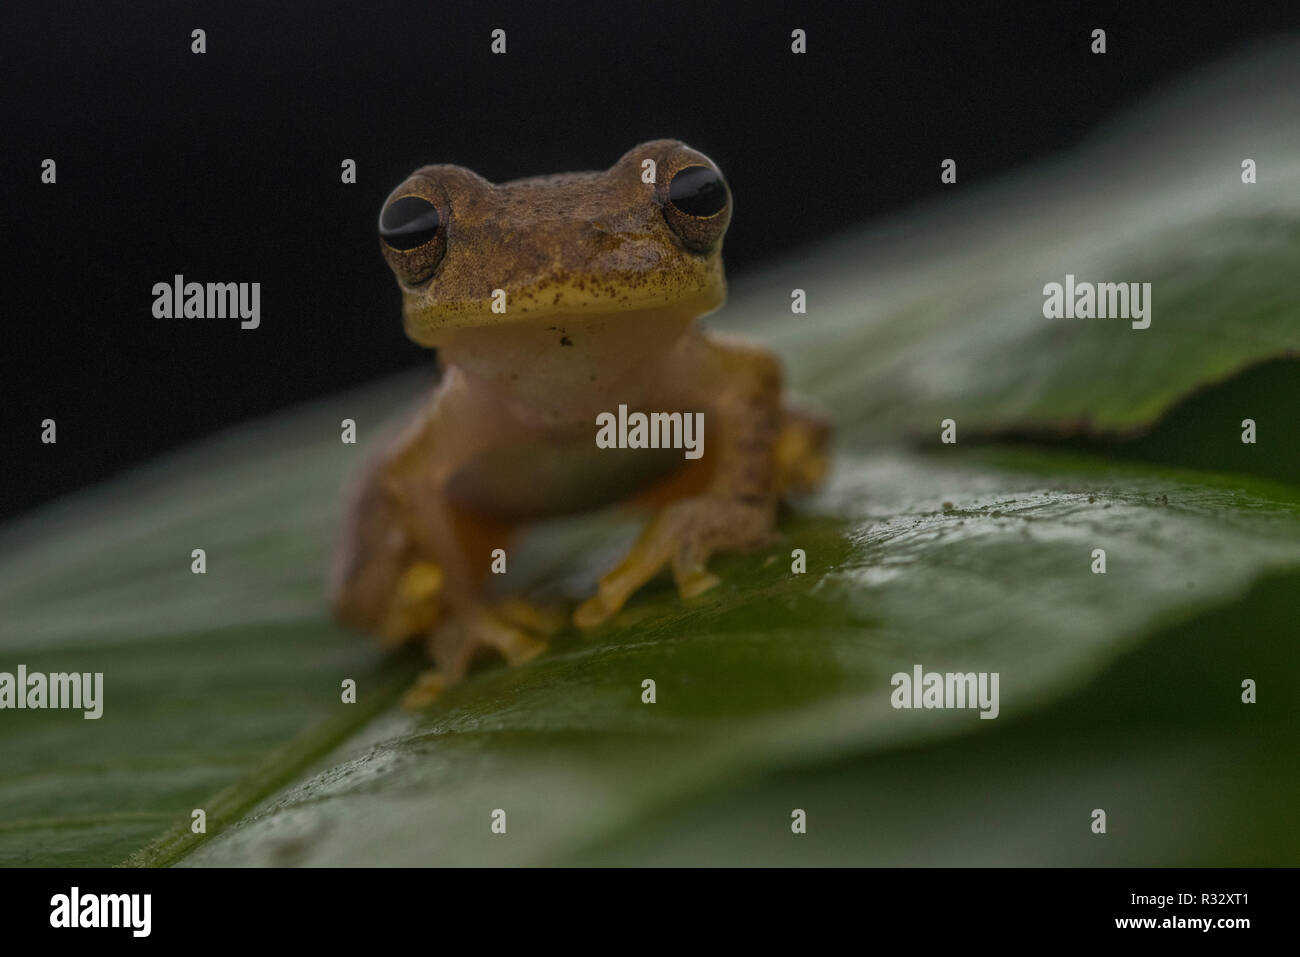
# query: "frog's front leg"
{"points": [[737, 510], [412, 565]]}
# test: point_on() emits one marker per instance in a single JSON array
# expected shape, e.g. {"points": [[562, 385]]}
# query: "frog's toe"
{"points": [[427, 689], [593, 612], [414, 606], [475, 629], [460, 638], [691, 574], [535, 618], [515, 644], [802, 455]]}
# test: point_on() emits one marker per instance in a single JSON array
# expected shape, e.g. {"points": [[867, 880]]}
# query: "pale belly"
{"points": [[534, 481]]}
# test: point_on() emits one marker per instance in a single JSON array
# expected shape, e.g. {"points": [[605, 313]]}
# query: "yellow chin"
{"points": [[431, 323]]}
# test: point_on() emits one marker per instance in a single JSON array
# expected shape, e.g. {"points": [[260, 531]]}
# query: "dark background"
{"points": [[225, 166]]}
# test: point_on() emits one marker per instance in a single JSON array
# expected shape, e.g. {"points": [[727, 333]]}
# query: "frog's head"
{"points": [[644, 235]]}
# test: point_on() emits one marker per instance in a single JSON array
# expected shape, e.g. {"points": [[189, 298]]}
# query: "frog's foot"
{"points": [[427, 689], [467, 631], [686, 534], [414, 605], [802, 458]]}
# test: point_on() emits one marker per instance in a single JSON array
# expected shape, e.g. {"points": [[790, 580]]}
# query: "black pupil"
{"points": [[409, 222], [697, 191]]}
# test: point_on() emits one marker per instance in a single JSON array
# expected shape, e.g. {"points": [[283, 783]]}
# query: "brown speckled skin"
{"points": [[604, 279]]}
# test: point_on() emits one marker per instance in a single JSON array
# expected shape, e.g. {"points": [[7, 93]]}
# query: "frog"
{"points": [[551, 301]]}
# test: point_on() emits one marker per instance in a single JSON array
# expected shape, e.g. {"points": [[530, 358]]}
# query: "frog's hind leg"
{"points": [[802, 449]]}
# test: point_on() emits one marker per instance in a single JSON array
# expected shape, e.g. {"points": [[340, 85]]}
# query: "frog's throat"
{"points": [[570, 359]]}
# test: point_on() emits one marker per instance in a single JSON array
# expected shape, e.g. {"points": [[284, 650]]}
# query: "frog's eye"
{"points": [[697, 205], [698, 191], [413, 236], [409, 222]]}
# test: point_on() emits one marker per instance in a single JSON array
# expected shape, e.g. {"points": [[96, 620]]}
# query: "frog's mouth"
{"points": [[670, 299]]}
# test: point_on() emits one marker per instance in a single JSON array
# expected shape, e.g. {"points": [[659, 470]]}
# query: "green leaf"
{"points": [[204, 675], [776, 674], [1118, 691], [938, 313]]}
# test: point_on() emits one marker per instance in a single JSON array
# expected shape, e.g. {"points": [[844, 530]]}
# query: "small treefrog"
{"points": [[551, 300]]}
